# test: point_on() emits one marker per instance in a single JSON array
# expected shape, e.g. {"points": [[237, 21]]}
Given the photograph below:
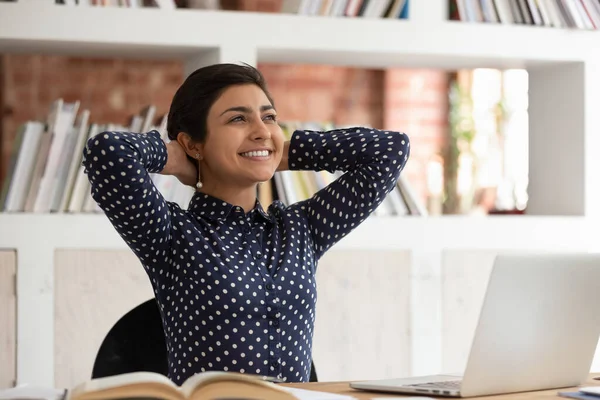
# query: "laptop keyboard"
{"points": [[439, 385]]}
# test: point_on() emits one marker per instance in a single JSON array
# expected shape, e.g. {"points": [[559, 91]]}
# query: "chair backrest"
{"points": [[137, 343]]}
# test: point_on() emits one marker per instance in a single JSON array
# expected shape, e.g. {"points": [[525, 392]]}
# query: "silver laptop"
{"points": [[538, 329]]}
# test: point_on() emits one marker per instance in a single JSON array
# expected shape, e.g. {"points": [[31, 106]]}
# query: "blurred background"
{"points": [[469, 128]]}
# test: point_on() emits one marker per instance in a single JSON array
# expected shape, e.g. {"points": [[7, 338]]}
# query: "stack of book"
{"points": [[573, 14], [45, 174], [398, 9], [293, 186]]}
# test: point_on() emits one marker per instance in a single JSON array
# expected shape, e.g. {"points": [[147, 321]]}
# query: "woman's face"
{"points": [[244, 143]]}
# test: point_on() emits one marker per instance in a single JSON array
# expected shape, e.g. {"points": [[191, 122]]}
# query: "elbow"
{"points": [[395, 157], [98, 148], [399, 149], [98, 143]]}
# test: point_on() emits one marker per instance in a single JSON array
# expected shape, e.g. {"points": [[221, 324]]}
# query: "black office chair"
{"points": [[137, 343]]}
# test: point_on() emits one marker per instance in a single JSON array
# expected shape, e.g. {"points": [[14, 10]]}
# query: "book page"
{"points": [[199, 379], [117, 381], [203, 378]]}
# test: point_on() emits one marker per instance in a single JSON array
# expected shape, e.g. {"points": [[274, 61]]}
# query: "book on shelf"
{"points": [[45, 174], [571, 14], [396, 9], [391, 9], [292, 186]]}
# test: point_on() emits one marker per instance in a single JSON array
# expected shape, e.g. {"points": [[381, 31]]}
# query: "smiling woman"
{"points": [[236, 283], [245, 144]]}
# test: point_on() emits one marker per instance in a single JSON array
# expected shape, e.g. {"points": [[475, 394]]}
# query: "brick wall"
{"points": [[413, 101], [113, 90], [344, 96], [416, 101]]}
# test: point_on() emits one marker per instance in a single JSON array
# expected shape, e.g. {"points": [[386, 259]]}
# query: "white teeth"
{"points": [[261, 153]]}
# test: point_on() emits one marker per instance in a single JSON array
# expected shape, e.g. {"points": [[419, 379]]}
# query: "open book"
{"points": [[202, 386]]}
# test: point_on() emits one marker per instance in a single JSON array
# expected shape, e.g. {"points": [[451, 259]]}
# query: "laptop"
{"points": [[538, 329]]}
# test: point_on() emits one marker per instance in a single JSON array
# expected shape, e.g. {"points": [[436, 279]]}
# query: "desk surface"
{"points": [[344, 388]]}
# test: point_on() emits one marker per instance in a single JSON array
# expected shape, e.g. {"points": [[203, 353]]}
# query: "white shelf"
{"points": [[35, 238], [94, 231], [285, 38]]}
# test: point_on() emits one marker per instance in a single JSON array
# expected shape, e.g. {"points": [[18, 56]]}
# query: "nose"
{"points": [[260, 131]]}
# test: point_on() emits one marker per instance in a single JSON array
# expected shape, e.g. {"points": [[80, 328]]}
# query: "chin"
{"points": [[260, 174], [262, 178]]}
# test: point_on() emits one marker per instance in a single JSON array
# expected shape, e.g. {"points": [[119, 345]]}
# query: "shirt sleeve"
{"points": [[118, 166], [371, 160]]}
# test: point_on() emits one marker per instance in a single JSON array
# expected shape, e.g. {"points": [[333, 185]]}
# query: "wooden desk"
{"points": [[344, 388]]}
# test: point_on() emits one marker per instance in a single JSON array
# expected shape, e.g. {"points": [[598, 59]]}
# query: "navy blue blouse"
{"points": [[237, 291]]}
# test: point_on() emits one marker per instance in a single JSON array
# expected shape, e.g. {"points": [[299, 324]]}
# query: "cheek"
{"points": [[222, 148], [278, 138]]}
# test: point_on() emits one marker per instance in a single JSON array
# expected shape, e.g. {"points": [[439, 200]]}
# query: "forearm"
{"points": [[118, 165], [348, 149], [119, 156], [372, 161]]}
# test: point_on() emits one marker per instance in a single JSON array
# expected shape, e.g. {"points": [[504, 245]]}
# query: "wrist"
{"points": [[283, 164], [302, 149], [171, 164]]}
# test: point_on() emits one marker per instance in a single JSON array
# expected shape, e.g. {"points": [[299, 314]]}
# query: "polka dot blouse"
{"points": [[237, 291]]}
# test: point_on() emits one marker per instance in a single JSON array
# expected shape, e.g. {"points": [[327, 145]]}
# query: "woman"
{"points": [[235, 283]]}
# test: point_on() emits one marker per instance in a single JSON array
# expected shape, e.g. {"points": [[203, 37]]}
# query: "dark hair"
{"points": [[194, 98]]}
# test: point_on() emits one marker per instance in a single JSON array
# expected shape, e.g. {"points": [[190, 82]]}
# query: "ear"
{"points": [[191, 147]]}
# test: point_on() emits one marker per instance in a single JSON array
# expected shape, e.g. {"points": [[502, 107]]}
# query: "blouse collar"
{"points": [[210, 207]]}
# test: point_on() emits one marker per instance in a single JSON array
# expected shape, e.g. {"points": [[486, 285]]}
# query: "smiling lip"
{"points": [[257, 154]]}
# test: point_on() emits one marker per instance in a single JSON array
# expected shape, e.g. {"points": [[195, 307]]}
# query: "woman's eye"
{"points": [[272, 117], [236, 119]]}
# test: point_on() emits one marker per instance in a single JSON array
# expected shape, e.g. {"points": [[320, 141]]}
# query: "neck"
{"points": [[244, 197]]}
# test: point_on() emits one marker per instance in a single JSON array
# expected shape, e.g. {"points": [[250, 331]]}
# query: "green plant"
{"points": [[461, 133]]}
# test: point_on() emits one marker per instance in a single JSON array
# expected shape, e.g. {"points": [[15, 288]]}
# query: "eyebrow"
{"points": [[247, 109]]}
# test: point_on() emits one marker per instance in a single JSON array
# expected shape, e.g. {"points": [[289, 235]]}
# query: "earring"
{"points": [[199, 183]]}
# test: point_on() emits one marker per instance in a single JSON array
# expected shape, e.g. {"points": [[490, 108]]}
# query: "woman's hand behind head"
{"points": [[180, 165]]}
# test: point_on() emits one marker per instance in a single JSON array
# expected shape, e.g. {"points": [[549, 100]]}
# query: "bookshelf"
{"points": [[427, 39], [564, 68]]}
